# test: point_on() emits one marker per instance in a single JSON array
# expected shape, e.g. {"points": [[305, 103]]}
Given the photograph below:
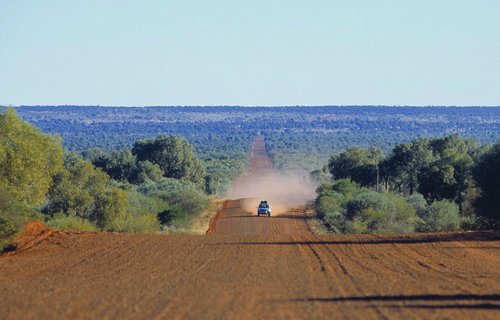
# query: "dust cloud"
{"points": [[283, 191]]}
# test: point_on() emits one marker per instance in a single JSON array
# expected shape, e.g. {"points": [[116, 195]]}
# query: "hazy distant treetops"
{"points": [[297, 137]]}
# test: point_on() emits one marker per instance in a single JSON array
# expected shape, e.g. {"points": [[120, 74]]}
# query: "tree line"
{"points": [[438, 183]]}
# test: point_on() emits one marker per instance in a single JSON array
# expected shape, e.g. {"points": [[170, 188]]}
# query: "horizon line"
{"points": [[251, 106]]}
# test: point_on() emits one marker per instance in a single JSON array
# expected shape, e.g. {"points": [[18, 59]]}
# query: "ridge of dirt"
{"points": [[213, 222], [34, 233]]}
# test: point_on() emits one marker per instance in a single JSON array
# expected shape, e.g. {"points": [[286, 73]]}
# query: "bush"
{"points": [[141, 204], [70, 223], [181, 193], [135, 223], [344, 207], [173, 216], [478, 222], [345, 187], [334, 220], [84, 191], [13, 215], [440, 216], [370, 211], [418, 202], [333, 196], [328, 204], [7, 231]]}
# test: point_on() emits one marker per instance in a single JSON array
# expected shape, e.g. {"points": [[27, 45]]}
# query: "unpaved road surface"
{"points": [[250, 267]]}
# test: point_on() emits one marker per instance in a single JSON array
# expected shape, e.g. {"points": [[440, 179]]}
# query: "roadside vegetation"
{"points": [[426, 185], [102, 174], [158, 184]]}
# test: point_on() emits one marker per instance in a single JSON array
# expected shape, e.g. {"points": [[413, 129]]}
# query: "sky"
{"points": [[311, 52]]}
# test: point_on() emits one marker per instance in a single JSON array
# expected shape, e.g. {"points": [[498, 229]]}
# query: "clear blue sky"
{"points": [[399, 52]]}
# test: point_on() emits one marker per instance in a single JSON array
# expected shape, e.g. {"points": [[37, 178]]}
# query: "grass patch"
{"points": [[136, 223], [70, 223]]}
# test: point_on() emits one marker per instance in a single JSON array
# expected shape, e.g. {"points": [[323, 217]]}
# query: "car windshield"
{"points": [[264, 205]]}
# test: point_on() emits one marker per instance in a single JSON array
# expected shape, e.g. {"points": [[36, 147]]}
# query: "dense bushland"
{"points": [[437, 184]]}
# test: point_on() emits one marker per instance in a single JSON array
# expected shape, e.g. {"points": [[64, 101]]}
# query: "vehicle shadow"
{"points": [[396, 239], [459, 301], [293, 217], [417, 297]]}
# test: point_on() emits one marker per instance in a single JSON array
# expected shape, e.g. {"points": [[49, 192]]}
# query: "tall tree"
{"points": [[450, 173], [405, 163], [28, 159], [358, 164], [174, 155], [487, 175], [121, 165]]}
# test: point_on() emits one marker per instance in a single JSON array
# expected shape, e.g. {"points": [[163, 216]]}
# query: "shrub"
{"points": [[181, 193], [440, 216], [70, 223], [418, 202], [82, 190], [401, 216], [328, 204], [345, 187], [13, 215], [370, 211], [333, 196], [364, 200], [333, 221], [140, 203], [173, 216], [7, 231]]}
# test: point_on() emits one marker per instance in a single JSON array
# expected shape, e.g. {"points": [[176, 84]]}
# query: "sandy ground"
{"points": [[252, 267]]}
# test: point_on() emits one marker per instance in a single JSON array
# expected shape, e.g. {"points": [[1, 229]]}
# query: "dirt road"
{"points": [[250, 267]]}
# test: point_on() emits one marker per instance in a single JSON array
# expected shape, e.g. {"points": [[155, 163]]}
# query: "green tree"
{"points": [[449, 175], [441, 215], [174, 155], [82, 190], [360, 165], [121, 165], [371, 211], [28, 159], [181, 193], [487, 175], [404, 165], [147, 170], [97, 156]]}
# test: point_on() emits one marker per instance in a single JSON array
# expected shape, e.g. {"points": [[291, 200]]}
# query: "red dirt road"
{"points": [[252, 267]]}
